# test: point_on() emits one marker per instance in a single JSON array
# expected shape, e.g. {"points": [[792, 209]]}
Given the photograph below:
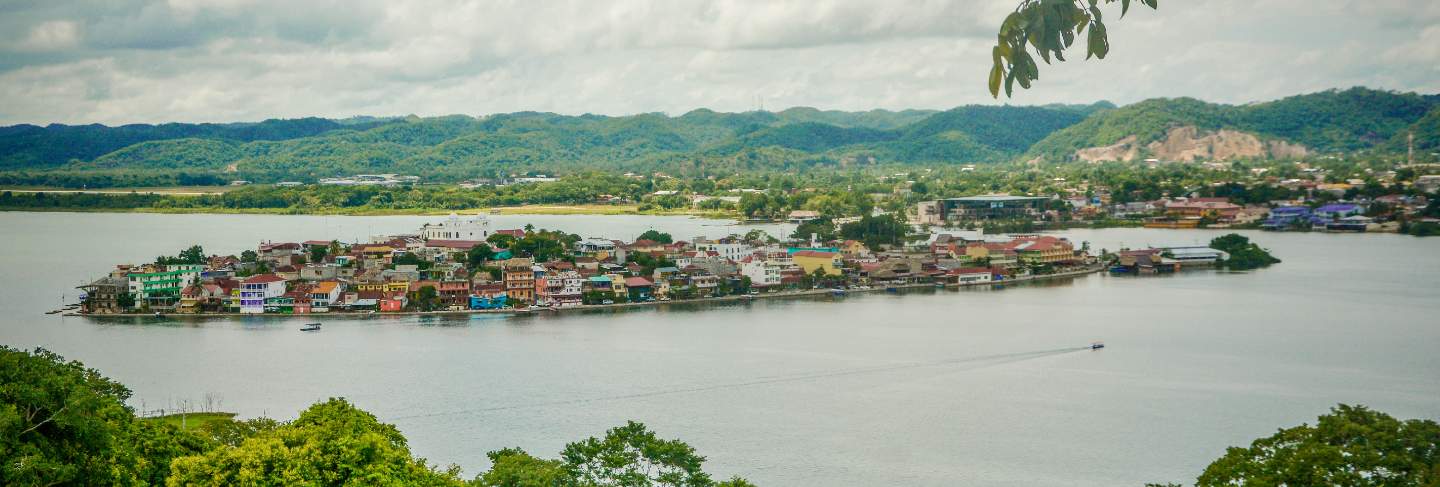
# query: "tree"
{"points": [[249, 256], [632, 455], [331, 443], [1244, 255], [657, 236], [512, 467], [1351, 446], [62, 423], [479, 254], [1048, 27], [821, 228], [318, 253], [427, 299], [501, 240]]}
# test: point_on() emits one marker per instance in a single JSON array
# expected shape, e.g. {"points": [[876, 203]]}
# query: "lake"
{"points": [[969, 387]]}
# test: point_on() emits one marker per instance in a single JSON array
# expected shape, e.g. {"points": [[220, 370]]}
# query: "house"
{"points": [[801, 216], [970, 275], [993, 254], [325, 293], [254, 290], [639, 288], [812, 260]]}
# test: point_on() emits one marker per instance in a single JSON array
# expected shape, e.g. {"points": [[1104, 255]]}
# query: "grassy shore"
{"points": [[190, 421]]}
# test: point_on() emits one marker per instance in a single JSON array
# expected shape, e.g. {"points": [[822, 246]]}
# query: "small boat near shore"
{"points": [[310, 327], [1097, 345]]}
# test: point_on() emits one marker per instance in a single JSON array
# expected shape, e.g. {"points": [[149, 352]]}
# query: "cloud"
{"points": [[51, 35], [226, 60]]}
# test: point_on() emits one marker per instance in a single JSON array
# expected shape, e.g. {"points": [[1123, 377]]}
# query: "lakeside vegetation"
{"points": [[61, 422], [1243, 254]]}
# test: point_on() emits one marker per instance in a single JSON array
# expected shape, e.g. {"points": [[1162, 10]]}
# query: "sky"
{"points": [[149, 61]]}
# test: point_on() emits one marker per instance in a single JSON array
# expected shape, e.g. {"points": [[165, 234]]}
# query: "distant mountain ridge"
{"points": [[705, 142]]}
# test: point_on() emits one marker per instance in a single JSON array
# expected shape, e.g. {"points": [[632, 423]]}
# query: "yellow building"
{"points": [[811, 260]]}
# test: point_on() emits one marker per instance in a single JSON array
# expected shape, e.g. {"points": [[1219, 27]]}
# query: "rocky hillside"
{"points": [[1187, 129]]}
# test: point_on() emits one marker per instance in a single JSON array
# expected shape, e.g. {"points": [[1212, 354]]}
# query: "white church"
{"points": [[475, 228]]}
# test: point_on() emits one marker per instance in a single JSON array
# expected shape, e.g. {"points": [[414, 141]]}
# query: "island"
{"points": [[463, 265]]}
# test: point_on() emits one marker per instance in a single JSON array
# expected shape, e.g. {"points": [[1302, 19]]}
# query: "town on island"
{"points": [[462, 264]]}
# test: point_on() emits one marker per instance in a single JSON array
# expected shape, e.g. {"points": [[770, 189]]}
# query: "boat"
{"points": [[892, 289], [1097, 345], [310, 327], [837, 292]]}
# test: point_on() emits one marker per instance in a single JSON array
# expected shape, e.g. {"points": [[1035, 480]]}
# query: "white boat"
{"points": [[310, 327]]}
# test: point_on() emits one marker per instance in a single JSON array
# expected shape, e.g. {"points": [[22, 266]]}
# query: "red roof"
{"points": [[517, 233], [815, 253], [452, 244], [317, 242], [263, 278], [637, 282]]}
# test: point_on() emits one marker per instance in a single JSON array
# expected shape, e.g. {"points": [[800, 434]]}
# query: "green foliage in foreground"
{"points": [[1244, 255], [1351, 446], [61, 423]]}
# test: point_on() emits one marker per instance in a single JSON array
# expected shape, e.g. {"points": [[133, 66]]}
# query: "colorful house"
{"points": [[813, 260]]}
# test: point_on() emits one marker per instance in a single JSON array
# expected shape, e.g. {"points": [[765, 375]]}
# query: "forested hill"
{"points": [[457, 147], [31, 146], [1329, 121], [704, 142]]}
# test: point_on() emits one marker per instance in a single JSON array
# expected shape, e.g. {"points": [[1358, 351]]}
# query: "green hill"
{"points": [[1327, 121], [698, 143]]}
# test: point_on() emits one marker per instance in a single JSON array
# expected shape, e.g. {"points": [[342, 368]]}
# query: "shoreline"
{"points": [[577, 210], [532, 311]]}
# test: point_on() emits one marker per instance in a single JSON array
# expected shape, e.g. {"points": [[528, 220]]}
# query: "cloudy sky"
{"points": [[123, 61]]}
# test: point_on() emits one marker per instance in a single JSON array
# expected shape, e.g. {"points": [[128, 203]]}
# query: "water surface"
{"points": [[928, 388]]}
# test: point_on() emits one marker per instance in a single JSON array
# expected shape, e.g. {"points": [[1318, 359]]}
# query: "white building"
{"points": [[256, 289], [476, 228], [762, 273], [732, 251]]}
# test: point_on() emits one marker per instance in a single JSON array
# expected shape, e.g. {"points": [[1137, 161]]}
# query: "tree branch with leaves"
{"points": [[1047, 27]]}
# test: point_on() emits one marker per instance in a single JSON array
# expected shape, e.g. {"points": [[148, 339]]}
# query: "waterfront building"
{"points": [[325, 293], [1216, 208], [1190, 256], [1043, 249], [103, 295], [1337, 211], [476, 229], [971, 275], [160, 288], [255, 290], [519, 277]]}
